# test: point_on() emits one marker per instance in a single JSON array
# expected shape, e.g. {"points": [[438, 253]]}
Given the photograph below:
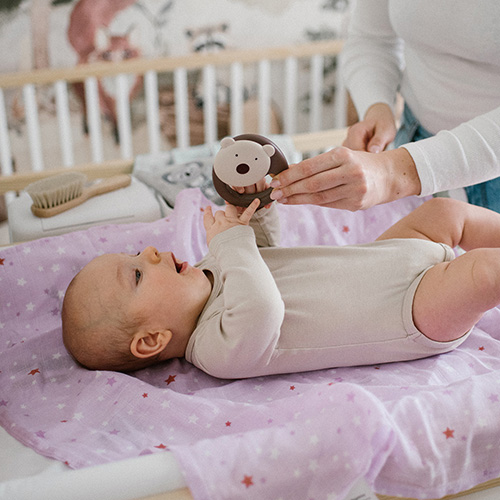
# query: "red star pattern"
{"points": [[228, 424], [345, 229], [292, 387], [481, 348], [145, 395], [449, 433], [2, 261], [170, 379], [161, 446], [32, 372], [247, 481]]}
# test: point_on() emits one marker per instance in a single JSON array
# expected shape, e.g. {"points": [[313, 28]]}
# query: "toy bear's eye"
{"points": [[236, 155], [256, 159]]}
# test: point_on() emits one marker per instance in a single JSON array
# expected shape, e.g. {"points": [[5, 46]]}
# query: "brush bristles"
{"points": [[56, 190]]}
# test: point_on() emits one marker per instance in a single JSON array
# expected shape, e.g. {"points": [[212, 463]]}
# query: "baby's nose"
{"points": [[152, 254]]}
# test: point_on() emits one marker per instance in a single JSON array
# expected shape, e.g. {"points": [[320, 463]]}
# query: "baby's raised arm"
{"points": [[223, 220]]}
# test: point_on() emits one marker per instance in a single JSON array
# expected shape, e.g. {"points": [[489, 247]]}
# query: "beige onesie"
{"points": [[280, 310]]}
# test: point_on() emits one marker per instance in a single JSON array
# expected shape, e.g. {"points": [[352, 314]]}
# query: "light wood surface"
{"points": [[185, 494], [140, 66]]}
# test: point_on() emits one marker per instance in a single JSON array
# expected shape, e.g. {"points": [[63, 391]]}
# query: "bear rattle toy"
{"points": [[242, 161]]}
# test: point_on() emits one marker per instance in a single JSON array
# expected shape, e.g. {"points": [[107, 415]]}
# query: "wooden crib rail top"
{"points": [[78, 73]]}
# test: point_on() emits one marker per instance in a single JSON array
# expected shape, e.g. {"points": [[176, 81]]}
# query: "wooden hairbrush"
{"points": [[59, 193]]}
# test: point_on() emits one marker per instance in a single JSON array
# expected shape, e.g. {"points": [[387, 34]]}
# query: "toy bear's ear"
{"points": [[269, 150], [227, 141]]}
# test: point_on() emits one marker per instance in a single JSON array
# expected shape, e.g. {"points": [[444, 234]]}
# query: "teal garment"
{"points": [[486, 194]]}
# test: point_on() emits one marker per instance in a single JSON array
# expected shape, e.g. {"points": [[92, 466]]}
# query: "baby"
{"points": [[251, 308]]}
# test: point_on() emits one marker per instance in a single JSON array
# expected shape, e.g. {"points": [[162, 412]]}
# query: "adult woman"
{"points": [[444, 58]]}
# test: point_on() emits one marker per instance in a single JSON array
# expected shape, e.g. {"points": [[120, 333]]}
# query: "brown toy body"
{"points": [[243, 161]]}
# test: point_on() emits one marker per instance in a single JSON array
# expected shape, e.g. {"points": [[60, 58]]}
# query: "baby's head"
{"points": [[125, 312]]}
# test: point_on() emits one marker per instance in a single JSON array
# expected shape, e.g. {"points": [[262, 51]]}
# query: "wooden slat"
{"points": [[152, 110], [123, 115], [33, 125], [181, 107], [316, 86], [64, 122], [290, 106], [236, 108], [5, 151], [209, 104], [79, 73], [94, 118], [264, 96]]}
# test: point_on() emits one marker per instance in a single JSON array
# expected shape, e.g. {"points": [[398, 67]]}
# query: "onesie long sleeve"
{"points": [[280, 310], [444, 59]]}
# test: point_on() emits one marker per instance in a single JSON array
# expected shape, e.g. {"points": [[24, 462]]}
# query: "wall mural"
{"points": [[61, 33]]}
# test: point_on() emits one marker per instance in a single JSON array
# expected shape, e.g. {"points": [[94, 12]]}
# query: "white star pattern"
{"points": [[193, 419], [313, 465]]}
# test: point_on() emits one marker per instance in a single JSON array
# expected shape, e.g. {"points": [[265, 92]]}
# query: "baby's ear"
{"points": [[146, 344]]}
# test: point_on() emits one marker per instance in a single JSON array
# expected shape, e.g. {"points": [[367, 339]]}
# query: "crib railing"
{"points": [[310, 56]]}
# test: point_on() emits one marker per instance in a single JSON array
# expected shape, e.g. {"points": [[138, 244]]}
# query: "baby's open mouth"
{"points": [[179, 266]]}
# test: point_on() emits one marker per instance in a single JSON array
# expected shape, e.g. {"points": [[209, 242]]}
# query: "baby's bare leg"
{"points": [[452, 222], [453, 296]]}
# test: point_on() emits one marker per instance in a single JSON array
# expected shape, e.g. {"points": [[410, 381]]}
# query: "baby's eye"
{"points": [[138, 275]]}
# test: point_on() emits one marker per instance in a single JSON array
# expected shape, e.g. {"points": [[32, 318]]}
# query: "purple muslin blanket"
{"points": [[424, 428]]}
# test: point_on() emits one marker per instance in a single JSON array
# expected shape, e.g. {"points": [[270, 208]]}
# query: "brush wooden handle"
{"points": [[107, 185]]}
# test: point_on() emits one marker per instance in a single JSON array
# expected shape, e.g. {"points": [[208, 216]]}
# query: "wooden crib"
{"points": [[30, 159], [107, 148]]}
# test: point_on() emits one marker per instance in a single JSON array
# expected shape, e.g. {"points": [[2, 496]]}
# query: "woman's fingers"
{"points": [[310, 176]]}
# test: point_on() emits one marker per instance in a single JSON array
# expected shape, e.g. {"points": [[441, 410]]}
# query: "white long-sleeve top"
{"points": [[444, 58]]}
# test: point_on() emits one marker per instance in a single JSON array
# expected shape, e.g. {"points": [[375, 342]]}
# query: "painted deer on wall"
{"points": [[89, 35]]}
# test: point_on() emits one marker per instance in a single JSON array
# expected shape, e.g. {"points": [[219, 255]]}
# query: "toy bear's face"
{"points": [[242, 163]]}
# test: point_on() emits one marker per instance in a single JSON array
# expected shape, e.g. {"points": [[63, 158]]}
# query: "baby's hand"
{"points": [[221, 221]]}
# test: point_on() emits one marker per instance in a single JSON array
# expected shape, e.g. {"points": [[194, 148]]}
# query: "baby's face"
{"points": [[167, 292]]}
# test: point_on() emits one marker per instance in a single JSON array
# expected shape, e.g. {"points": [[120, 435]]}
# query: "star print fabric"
{"points": [[428, 425]]}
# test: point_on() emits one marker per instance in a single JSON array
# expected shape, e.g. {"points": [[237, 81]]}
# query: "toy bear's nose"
{"points": [[242, 168]]}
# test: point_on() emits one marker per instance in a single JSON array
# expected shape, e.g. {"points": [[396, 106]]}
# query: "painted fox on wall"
{"points": [[89, 35]]}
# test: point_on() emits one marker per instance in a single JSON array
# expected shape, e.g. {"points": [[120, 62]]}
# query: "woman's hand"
{"points": [[375, 132], [347, 179], [262, 185], [223, 220]]}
